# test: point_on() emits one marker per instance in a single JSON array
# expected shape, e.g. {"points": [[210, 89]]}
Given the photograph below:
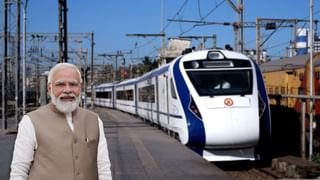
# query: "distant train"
{"points": [[213, 100], [291, 76]]}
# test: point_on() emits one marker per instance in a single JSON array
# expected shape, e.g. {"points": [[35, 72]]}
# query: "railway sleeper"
{"points": [[294, 167]]}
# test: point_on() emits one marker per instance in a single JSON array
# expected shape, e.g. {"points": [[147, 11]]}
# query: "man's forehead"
{"points": [[63, 80], [66, 74]]}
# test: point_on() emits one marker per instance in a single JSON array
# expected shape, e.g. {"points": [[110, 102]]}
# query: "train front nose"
{"points": [[231, 122]]}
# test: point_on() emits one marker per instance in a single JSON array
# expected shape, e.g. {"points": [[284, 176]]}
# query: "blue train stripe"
{"points": [[266, 119], [195, 126]]}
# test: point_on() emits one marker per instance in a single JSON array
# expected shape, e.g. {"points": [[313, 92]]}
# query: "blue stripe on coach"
{"points": [[266, 119], [195, 126]]}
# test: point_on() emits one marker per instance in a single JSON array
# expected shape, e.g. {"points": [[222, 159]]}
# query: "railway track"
{"points": [[247, 170], [282, 167]]}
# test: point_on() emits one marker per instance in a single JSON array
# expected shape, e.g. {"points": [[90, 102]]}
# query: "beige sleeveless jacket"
{"points": [[61, 153]]}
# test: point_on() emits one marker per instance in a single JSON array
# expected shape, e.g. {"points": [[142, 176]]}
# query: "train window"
{"points": [[283, 90], [317, 75], [271, 90], [301, 76], [105, 95], [88, 94], [301, 90], [173, 90], [125, 95], [146, 94], [222, 82]]}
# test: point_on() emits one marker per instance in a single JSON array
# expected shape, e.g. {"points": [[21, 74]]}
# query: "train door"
{"points": [[167, 100], [115, 98], [135, 98], [157, 100], [150, 94], [162, 98]]}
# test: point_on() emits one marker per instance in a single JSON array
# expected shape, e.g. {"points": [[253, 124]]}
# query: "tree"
{"points": [[147, 65]]}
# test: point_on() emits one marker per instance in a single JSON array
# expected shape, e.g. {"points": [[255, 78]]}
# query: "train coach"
{"points": [[291, 76], [213, 100]]}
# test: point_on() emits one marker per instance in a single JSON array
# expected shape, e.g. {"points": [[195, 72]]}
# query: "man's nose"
{"points": [[67, 89]]}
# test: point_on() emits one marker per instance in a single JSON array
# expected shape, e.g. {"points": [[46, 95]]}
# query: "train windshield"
{"points": [[222, 82]]}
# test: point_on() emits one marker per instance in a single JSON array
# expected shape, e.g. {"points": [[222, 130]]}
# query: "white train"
{"points": [[213, 100]]}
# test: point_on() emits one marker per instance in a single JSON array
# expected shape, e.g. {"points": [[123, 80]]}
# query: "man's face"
{"points": [[65, 89]]}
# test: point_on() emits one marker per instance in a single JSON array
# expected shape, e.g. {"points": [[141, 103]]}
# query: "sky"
{"points": [[112, 20]]}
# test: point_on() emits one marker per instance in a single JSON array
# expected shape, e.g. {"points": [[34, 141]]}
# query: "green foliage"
{"points": [[146, 66], [316, 158]]}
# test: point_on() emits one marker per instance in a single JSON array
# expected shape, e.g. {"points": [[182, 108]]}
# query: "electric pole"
{"points": [[17, 62], [4, 98], [238, 28], [273, 24], [203, 39], [118, 54], [63, 33]]}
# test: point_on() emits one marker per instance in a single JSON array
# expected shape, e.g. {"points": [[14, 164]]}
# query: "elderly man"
{"points": [[61, 140]]}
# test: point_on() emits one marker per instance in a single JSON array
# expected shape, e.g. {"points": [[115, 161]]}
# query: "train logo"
{"points": [[228, 102]]}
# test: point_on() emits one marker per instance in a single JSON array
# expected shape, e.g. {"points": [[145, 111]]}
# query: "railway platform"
{"points": [[137, 151], [140, 151]]}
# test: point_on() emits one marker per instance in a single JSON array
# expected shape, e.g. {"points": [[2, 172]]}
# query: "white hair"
{"points": [[60, 66]]}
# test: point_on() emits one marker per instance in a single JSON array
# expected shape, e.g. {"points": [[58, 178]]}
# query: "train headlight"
{"points": [[215, 55], [194, 109], [195, 64]]}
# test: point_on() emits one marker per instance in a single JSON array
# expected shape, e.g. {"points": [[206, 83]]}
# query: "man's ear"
{"points": [[49, 88]]}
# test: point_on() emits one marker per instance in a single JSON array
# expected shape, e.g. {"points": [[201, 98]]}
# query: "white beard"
{"points": [[65, 107]]}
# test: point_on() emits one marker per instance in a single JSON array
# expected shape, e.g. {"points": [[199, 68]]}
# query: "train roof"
{"points": [[126, 82], [286, 63], [105, 85], [202, 54], [154, 72]]}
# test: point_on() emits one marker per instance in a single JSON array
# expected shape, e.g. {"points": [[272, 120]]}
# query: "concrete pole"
{"points": [[303, 129], [311, 82], [4, 65], [92, 70], [258, 41], [43, 90], [24, 52], [17, 62]]}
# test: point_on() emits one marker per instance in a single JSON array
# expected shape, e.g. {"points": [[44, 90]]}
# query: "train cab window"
{"points": [[173, 91], [222, 82]]}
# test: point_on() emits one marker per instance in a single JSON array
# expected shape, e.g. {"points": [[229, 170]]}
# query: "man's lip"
{"points": [[67, 98]]}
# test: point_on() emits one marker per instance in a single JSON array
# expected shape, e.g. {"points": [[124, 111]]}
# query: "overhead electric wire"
{"points": [[209, 13], [165, 27]]}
